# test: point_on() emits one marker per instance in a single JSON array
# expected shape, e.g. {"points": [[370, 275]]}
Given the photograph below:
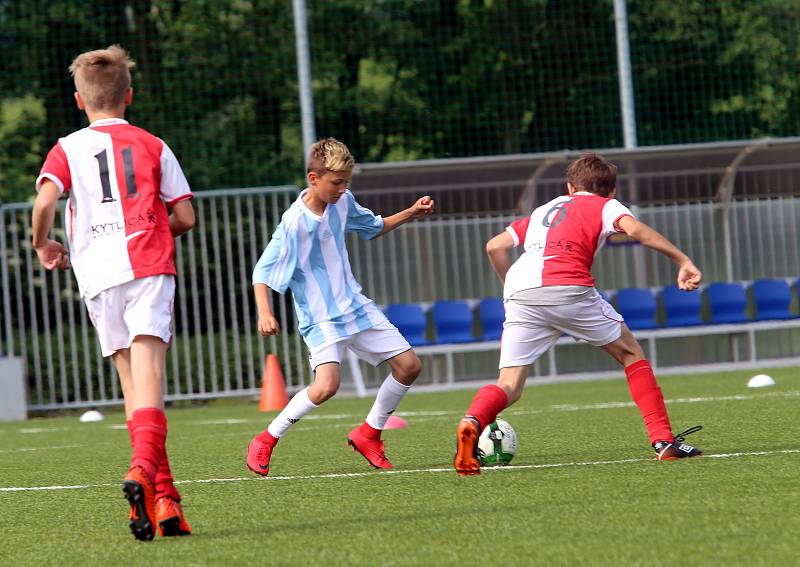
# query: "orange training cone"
{"points": [[273, 388]]}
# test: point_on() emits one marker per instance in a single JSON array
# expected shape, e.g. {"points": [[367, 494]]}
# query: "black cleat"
{"points": [[677, 449]]}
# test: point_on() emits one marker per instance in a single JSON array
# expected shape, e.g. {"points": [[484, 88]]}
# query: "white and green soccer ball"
{"points": [[497, 444]]}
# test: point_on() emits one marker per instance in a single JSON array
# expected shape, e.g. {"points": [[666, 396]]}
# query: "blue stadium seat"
{"points": [[727, 301], [772, 299], [453, 322], [638, 307], [410, 321], [492, 313], [682, 308]]}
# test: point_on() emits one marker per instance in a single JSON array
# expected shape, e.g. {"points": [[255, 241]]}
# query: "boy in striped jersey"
{"points": [[550, 290], [307, 254]]}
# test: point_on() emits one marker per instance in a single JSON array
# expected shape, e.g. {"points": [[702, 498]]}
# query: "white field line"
{"points": [[29, 449], [446, 413], [397, 472]]}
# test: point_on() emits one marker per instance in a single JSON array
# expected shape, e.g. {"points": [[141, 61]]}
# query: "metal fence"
{"points": [[217, 351]]}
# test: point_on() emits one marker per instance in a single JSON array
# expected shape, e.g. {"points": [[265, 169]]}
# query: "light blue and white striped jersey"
{"points": [[307, 254]]}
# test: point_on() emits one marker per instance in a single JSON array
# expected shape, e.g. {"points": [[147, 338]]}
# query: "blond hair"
{"points": [[329, 154], [102, 77]]}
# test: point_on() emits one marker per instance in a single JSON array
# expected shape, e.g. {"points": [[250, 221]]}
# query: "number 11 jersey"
{"points": [[119, 180]]}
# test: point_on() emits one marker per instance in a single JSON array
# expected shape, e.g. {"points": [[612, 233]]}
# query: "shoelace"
{"points": [[681, 437]]}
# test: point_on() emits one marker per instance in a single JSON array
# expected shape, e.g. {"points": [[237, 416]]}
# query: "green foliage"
{"points": [[405, 79], [21, 146]]}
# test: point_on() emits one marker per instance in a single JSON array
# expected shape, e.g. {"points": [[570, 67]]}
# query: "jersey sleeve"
{"points": [[518, 229], [174, 187], [613, 210], [276, 266], [361, 220], [56, 169]]}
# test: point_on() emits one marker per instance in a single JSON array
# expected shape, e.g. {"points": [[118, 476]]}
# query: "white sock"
{"points": [[297, 407], [389, 395]]}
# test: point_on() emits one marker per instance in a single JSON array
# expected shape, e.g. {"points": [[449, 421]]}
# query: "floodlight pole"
{"points": [[304, 74], [628, 119], [625, 74]]}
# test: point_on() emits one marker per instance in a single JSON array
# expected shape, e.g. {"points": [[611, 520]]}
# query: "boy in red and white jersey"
{"points": [[550, 290], [121, 183]]}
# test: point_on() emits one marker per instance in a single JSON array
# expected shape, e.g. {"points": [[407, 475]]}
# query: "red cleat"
{"points": [[258, 455], [170, 520], [370, 449], [141, 494], [466, 459]]}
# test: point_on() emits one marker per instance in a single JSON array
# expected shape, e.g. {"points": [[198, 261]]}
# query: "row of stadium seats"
{"points": [[717, 303]]}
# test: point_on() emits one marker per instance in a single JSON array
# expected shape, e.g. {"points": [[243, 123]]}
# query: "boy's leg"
{"points": [[164, 482], [647, 396], [366, 439], [149, 431], [642, 384], [527, 335], [486, 405], [122, 362], [325, 385]]}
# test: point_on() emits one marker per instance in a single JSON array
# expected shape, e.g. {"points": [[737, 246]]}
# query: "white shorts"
{"points": [[139, 307], [375, 345], [529, 330]]}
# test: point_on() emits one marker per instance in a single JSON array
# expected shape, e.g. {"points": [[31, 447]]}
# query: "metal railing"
{"points": [[217, 351]]}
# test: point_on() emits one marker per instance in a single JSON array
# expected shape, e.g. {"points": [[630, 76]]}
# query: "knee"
{"points": [[408, 371], [323, 390]]}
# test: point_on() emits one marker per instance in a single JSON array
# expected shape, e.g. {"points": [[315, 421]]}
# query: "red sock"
{"points": [[165, 486], [487, 403], [130, 431], [370, 432], [647, 396], [149, 436], [266, 437]]}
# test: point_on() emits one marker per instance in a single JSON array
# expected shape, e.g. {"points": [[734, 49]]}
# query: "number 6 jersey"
{"points": [[119, 179], [561, 239]]}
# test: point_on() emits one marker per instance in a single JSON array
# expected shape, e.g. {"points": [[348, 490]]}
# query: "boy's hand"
{"points": [[688, 276], [424, 206], [268, 325], [52, 255]]}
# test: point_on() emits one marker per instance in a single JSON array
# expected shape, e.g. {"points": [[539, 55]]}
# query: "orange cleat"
{"points": [[466, 459], [141, 494], [169, 517], [370, 449]]}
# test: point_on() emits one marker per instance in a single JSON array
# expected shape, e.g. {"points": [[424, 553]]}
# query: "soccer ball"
{"points": [[497, 444]]}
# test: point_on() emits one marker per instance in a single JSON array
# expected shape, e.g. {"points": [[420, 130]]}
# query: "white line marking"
{"points": [[26, 449], [43, 429], [396, 472], [446, 413]]}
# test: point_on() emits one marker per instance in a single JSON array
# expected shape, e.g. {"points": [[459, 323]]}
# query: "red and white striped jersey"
{"points": [[561, 239], [118, 178]]}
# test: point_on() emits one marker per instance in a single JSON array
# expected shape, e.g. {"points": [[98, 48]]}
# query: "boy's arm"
{"points": [[51, 253], [688, 274], [267, 323], [424, 206], [499, 252], [182, 219]]}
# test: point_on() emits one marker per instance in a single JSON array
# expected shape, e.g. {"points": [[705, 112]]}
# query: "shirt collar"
{"points": [[108, 122]]}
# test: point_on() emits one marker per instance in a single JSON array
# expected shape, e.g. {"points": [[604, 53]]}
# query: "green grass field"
{"points": [[584, 488]]}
